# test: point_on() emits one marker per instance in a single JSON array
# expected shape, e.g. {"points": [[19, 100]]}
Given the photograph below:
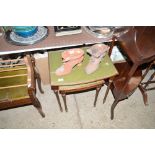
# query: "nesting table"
{"points": [[78, 80]]}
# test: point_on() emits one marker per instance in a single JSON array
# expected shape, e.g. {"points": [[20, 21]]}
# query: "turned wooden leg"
{"points": [[98, 88], [37, 76], [58, 99], [107, 91], [144, 94], [112, 108], [37, 104], [64, 99]]}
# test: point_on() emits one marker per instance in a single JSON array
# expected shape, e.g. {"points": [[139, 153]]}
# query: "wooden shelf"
{"points": [[52, 42]]}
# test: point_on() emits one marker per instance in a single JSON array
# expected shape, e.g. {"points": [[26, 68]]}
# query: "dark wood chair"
{"points": [[18, 84], [78, 80], [138, 44]]}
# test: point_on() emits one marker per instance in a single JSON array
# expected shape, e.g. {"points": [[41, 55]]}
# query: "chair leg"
{"points": [[58, 99], [64, 99], [113, 107], [150, 79], [144, 94], [37, 104], [38, 78], [98, 88], [107, 91]]}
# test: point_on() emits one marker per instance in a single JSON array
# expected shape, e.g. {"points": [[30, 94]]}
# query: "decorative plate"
{"points": [[13, 38]]}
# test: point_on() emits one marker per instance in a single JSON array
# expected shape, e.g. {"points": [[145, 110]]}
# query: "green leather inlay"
{"points": [[11, 77], [106, 69], [14, 93], [12, 68], [13, 72], [12, 81]]}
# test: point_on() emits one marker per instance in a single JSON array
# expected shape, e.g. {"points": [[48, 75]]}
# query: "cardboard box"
{"points": [[42, 66]]}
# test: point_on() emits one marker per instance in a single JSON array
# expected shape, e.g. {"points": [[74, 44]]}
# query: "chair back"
{"points": [[140, 41]]}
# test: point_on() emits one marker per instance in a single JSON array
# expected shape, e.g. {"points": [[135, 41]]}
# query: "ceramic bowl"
{"points": [[25, 31]]}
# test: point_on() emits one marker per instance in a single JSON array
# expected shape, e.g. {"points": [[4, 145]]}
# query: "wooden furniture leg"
{"points": [[149, 80], [113, 107], [120, 96], [98, 88], [107, 91], [37, 104], [147, 70], [58, 99], [144, 94], [143, 88], [37, 76], [64, 99]]}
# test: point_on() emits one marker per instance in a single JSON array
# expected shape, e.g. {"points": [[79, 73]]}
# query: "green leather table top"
{"points": [[78, 76]]}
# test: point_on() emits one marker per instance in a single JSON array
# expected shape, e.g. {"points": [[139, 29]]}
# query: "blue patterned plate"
{"points": [[41, 34]]}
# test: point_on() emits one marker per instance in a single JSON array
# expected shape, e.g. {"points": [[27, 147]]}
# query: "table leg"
{"points": [[98, 88], [36, 73], [147, 70], [58, 99], [149, 80], [64, 99], [37, 76], [37, 104], [113, 107], [144, 94], [107, 91]]}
